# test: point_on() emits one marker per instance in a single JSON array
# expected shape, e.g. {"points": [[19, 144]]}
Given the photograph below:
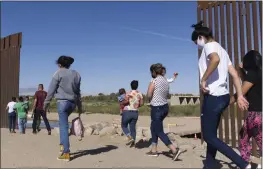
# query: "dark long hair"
{"points": [[65, 61], [252, 61], [200, 30]]}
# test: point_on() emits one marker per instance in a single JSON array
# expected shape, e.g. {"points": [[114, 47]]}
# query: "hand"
{"points": [[242, 103], [175, 75], [203, 87], [80, 111], [46, 107]]}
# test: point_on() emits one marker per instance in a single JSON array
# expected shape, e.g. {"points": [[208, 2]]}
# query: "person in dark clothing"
{"points": [[251, 74], [38, 109]]}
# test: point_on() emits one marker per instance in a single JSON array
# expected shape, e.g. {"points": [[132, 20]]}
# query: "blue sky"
{"points": [[112, 42]]}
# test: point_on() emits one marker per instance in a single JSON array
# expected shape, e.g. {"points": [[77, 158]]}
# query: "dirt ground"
{"points": [[41, 150]]}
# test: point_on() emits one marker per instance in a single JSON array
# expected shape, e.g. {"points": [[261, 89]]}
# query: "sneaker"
{"points": [[130, 141], [132, 144], [152, 154], [13, 131], [34, 132], [64, 157], [49, 133], [38, 130], [259, 166], [61, 148], [177, 154], [248, 166]]}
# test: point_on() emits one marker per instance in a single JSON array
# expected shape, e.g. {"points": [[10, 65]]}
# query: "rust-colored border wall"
{"points": [[237, 26], [9, 73]]}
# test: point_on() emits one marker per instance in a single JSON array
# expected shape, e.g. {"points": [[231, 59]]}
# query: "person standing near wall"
{"points": [[251, 74], [38, 109], [21, 110], [11, 115], [214, 66]]}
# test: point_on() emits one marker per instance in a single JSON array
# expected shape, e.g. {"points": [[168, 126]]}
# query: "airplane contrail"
{"points": [[149, 32], [156, 34]]}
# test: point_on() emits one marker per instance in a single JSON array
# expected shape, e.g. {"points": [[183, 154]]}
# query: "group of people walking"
{"points": [[214, 67], [18, 112]]}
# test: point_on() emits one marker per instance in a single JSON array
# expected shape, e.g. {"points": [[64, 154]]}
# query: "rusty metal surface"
{"points": [[236, 60], [229, 50], [233, 40], [255, 23], [260, 21], [9, 75], [248, 26], [205, 4], [199, 53], [216, 29]]}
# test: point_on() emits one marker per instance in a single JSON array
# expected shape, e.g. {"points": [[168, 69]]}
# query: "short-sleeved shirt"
{"points": [[21, 109], [10, 106], [40, 96], [161, 91], [254, 95], [134, 98], [217, 81]]}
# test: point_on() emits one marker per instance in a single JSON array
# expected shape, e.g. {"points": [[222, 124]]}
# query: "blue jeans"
{"points": [[65, 108], [212, 108], [158, 114], [129, 117], [22, 125], [12, 121]]}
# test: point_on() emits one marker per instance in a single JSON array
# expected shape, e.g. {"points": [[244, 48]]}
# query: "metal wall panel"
{"points": [[9, 75], [238, 34]]}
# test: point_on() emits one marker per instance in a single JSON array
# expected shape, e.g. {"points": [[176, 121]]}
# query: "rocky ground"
{"points": [[102, 147]]}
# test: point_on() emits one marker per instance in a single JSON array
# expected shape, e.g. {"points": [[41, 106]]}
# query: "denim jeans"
{"points": [[129, 117], [212, 108], [22, 125], [158, 114], [37, 115], [12, 121], [65, 108]]}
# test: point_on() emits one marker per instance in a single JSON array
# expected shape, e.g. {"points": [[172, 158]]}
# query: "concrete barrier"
{"points": [[184, 100]]}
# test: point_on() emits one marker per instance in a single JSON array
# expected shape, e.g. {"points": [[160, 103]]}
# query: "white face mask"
{"points": [[200, 43]]}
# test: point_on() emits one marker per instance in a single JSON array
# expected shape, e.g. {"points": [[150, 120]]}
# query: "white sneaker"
{"points": [[259, 166]]}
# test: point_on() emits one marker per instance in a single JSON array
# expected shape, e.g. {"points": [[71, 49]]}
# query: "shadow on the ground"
{"points": [[143, 144], [219, 164], [169, 155], [96, 151]]}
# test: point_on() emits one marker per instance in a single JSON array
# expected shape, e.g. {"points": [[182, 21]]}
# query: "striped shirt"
{"points": [[161, 91]]}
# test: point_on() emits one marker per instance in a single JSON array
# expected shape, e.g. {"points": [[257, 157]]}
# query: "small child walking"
{"points": [[21, 109], [251, 74]]}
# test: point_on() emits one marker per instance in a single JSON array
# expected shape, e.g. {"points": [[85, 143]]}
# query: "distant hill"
{"points": [[27, 91]]}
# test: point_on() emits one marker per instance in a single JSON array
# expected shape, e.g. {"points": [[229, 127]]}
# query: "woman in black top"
{"points": [[251, 74]]}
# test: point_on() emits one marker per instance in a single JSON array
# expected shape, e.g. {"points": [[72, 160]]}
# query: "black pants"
{"points": [[212, 108], [37, 115], [12, 121]]}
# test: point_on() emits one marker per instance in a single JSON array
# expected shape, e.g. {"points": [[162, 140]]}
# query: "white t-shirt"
{"points": [[10, 106], [217, 81]]}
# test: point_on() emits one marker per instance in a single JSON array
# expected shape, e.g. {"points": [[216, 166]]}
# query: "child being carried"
{"points": [[121, 98]]}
